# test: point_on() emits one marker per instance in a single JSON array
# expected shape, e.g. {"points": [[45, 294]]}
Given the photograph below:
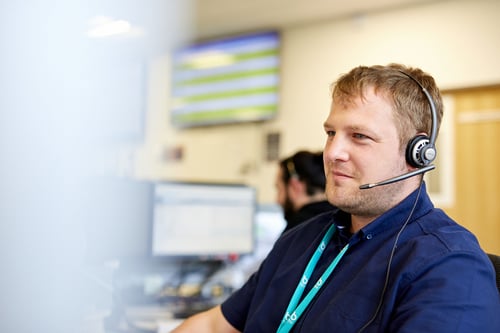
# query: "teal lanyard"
{"points": [[295, 310]]}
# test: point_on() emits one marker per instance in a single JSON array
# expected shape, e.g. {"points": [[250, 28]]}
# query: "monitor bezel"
{"points": [[208, 256]]}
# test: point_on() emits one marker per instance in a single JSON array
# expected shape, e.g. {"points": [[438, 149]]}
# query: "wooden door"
{"points": [[477, 164]]}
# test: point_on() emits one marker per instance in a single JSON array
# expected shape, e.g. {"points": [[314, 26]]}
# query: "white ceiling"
{"points": [[225, 17]]}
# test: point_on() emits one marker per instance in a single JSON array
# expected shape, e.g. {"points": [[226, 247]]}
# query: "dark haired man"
{"points": [[300, 186]]}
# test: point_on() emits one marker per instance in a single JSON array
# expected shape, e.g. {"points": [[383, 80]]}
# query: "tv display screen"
{"points": [[226, 81], [202, 220]]}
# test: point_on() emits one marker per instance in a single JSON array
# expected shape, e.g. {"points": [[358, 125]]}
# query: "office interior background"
{"points": [[99, 104], [456, 41]]}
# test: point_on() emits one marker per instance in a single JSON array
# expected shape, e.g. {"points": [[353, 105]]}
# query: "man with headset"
{"points": [[300, 187], [387, 260]]}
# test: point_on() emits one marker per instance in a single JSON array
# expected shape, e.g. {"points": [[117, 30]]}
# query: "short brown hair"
{"points": [[412, 111]]}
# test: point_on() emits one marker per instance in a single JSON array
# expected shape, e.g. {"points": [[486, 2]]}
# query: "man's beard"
{"points": [[288, 209], [372, 203]]}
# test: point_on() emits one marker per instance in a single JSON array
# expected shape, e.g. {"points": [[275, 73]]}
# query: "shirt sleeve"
{"points": [[236, 307]]}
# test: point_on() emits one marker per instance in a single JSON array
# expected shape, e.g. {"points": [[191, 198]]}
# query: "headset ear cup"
{"points": [[414, 151]]}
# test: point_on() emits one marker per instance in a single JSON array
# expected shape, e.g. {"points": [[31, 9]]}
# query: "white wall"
{"points": [[456, 41]]}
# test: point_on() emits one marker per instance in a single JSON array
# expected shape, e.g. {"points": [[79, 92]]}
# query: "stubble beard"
{"points": [[370, 202]]}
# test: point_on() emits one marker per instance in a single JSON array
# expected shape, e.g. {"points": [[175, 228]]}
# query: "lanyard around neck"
{"points": [[294, 309]]}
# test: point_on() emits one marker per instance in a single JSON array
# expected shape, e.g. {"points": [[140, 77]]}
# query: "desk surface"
{"points": [[168, 325], [94, 323]]}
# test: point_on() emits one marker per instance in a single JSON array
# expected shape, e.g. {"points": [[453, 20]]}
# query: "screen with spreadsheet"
{"points": [[202, 219]]}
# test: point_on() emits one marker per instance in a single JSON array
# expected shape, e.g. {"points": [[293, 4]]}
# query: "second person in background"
{"points": [[300, 186]]}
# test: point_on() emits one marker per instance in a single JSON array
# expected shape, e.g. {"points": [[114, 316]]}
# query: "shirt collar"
{"points": [[394, 217]]}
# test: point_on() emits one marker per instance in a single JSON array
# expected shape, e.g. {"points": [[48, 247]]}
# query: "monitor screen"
{"points": [[202, 220], [226, 80]]}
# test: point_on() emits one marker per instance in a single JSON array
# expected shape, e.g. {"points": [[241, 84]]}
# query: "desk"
{"points": [[168, 325], [146, 319]]}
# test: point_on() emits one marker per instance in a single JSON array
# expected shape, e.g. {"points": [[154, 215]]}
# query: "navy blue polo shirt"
{"points": [[439, 280]]}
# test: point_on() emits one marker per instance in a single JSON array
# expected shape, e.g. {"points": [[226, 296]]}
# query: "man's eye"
{"points": [[359, 136], [330, 133]]}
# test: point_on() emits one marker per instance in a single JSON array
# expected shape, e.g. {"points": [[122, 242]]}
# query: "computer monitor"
{"points": [[202, 220]]}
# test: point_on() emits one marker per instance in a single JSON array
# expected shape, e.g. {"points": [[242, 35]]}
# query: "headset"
{"points": [[421, 150], [420, 153]]}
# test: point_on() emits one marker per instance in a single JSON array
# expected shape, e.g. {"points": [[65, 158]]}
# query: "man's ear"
{"points": [[296, 185]]}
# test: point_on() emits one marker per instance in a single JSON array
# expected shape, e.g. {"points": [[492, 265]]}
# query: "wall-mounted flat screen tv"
{"points": [[225, 81]]}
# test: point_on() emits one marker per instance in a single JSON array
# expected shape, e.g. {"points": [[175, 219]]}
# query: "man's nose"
{"points": [[336, 149]]}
